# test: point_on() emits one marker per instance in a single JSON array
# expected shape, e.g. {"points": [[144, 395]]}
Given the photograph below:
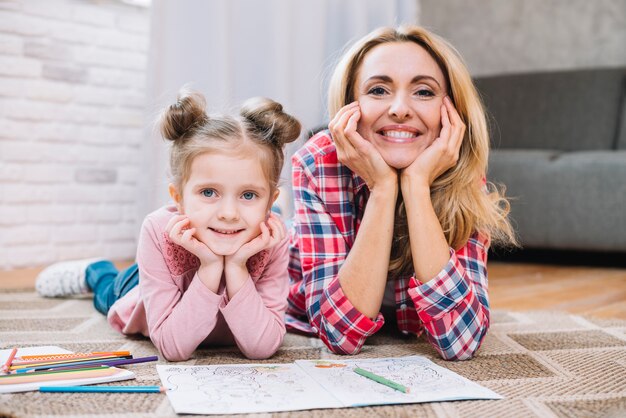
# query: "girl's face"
{"points": [[400, 89], [226, 198]]}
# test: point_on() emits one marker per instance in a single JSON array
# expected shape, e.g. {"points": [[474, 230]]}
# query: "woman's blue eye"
{"points": [[377, 91], [208, 192], [425, 93], [249, 195]]}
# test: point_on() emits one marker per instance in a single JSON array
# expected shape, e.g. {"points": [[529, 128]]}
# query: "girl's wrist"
{"points": [[211, 275], [232, 265]]}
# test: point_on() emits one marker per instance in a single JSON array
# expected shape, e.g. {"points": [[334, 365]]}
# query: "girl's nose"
{"points": [[228, 211]]}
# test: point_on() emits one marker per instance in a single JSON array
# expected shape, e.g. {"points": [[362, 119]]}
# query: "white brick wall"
{"points": [[72, 100]]}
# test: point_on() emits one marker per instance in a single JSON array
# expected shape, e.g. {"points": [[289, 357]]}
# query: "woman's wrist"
{"points": [[411, 185]]}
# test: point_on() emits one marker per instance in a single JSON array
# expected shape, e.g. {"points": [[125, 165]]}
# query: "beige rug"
{"points": [[546, 364]]}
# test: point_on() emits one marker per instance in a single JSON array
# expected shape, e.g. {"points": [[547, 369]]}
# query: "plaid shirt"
{"points": [[452, 309]]}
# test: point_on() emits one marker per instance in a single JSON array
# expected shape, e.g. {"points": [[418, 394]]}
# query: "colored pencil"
{"points": [[381, 380], [29, 364], [58, 375], [9, 361], [104, 362], [73, 355], [144, 389]]}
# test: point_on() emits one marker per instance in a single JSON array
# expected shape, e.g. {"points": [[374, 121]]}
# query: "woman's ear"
{"points": [[178, 199]]}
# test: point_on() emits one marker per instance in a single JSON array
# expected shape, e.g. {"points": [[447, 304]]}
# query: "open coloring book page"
{"points": [[311, 384], [427, 381], [242, 388]]}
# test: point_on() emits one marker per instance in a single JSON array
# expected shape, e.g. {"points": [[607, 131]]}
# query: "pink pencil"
{"points": [[7, 365]]}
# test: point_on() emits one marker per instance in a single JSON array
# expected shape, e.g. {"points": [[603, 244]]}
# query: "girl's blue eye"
{"points": [[377, 91], [249, 195], [208, 192]]}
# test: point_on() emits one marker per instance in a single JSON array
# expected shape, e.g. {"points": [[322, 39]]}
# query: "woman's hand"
{"points": [[180, 232], [355, 152], [272, 232], [443, 153]]}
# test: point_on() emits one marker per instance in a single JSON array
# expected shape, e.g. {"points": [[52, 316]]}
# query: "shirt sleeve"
{"points": [[322, 251], [255, 315], [178, 322], [454, 306]]}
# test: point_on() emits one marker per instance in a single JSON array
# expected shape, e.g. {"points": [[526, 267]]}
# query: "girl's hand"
{"points": [[355, 152], [443, 153], [272, 232], [180, 232]]}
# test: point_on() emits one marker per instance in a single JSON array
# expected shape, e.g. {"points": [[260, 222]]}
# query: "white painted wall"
{"points": [[72, 100]]}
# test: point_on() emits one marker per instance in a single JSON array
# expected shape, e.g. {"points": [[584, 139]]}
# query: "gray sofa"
{"points": [[559, 146]]}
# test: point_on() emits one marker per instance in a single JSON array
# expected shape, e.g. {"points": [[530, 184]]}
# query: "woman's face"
{"points": [[400, 89]]}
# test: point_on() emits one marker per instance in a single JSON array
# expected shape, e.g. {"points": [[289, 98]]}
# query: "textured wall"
{"points": [[72, 76], [496, 36]]}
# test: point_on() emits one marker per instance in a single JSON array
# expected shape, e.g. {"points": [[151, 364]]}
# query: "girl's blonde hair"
{"points": [[462, 206], [261, 122]]}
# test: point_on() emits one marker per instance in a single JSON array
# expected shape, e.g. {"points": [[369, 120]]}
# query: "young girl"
{"points": [[393, 213], [212, 268]]}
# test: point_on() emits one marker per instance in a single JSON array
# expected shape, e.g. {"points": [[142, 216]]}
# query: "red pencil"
{"points": [[7, 365]]}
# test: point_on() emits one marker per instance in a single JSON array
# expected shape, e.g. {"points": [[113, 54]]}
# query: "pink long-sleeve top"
{"points": [[178, 312]]}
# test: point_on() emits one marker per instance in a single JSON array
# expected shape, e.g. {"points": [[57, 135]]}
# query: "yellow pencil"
{"points": [[58, 375]]}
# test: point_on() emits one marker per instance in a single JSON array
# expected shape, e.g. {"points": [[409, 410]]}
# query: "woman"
{"points": [[392, 206]]}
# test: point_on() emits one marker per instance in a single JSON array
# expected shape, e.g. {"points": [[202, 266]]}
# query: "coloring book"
{"points": [[311, 384]]}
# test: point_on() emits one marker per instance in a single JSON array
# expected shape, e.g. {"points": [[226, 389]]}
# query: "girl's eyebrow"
{"points": [[414, 80]]}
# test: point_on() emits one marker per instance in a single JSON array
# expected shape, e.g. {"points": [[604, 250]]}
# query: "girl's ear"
{"points": [[176, 197], [276, 194]]}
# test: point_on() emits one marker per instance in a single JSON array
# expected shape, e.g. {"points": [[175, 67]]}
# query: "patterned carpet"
{"points": [[546, 364]]}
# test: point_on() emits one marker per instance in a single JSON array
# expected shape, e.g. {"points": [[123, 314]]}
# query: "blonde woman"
{"points": [[393, 211]]}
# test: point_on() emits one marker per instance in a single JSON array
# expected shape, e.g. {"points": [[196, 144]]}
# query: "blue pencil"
{"points": [[144, 389]]}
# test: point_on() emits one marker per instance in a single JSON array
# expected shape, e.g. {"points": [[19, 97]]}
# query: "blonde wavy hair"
{"points": [[462, 206]]}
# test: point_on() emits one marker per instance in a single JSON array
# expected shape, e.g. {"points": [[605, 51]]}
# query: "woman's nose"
{"points": [[400, 108]]}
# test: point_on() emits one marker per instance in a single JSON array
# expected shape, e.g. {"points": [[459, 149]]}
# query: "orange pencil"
{"points": [[7, 365], [72, 355]]}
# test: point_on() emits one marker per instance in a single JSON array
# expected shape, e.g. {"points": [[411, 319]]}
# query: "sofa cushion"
{"points": [[571, 200], [565, 110]]}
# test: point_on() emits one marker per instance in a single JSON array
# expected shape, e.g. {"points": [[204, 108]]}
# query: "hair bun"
{"points": [[270, 121], [184, 116]]}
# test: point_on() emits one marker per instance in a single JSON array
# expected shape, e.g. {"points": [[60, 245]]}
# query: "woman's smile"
{"points": [[399, 134]]}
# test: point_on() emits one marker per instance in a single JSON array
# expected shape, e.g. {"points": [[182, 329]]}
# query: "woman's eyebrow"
{"points": [[418, 78]]}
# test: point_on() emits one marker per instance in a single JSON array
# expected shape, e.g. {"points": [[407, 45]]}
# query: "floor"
{"points": [[593, 291]]}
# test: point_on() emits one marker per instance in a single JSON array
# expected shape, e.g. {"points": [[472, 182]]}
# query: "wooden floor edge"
{"points": [[25, 278]]}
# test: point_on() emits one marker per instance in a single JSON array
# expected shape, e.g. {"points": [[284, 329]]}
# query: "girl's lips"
{"points": [[226, 232]]}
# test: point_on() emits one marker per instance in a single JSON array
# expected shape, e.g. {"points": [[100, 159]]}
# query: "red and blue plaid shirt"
{"points": [[452, 309]]}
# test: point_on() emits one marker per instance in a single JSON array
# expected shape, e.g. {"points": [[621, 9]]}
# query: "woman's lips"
{"points": [[399, 133]]}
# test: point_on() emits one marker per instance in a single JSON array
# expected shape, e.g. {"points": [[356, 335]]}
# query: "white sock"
{"points": [[64, 279]]}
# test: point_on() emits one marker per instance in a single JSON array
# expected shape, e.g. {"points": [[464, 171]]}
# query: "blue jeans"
{"points": [[109, 285]]}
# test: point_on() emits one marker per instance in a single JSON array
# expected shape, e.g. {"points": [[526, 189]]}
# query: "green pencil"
{"points": [[381, 380]]}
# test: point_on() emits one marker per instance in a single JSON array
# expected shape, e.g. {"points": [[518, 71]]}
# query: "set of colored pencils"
{"points": [[51, 367]]}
